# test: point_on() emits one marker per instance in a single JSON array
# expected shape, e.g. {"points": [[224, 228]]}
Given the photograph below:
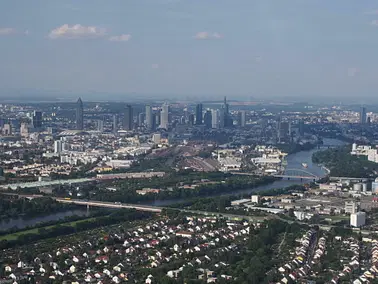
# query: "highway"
{"points": [[154, 209], [297, 177], [110, 205]]}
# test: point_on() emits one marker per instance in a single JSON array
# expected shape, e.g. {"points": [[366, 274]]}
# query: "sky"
{"points": [[198, 49]]}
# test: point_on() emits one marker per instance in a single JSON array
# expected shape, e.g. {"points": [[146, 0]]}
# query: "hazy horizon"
{"points": [[189, 50]]}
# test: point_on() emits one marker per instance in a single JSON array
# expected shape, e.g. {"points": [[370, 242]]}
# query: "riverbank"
{"points": [[341, 163], [294, 161], [36, 230], [11, 207], [22, 223], [37, 234]]}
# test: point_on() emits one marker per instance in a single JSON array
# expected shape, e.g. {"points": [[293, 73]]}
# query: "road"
{"points": [[281, 243], [110, 204], [156, 209]]}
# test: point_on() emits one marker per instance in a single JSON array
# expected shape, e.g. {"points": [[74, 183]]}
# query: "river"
{"points": [[294, 161], [22, 223]]}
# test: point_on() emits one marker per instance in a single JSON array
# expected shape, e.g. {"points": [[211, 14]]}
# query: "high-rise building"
{"points": [[374, 186], [208, 119], [141, 119], [301, 128], [149, 118], [350, 207], [164, 116], [156, 138], [37, 119], [225, 117], [282, 130], [128, 119], [79, 115], [199, 114], [358, 219], [191, 119], [100, 125], [156, 121], [214, 118], [222, 118], [242, 118], [115, 123], [24, 129], [58, 146], [363, 115], [226, 106], [7, 129]]}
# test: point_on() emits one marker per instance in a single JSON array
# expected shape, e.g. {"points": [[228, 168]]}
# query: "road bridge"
{"points": [[157, 209], [289, 174], [154, 209], [116, 205], [298, 174]]}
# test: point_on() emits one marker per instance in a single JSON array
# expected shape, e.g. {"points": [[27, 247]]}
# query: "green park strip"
{"points": [[14, 236]]}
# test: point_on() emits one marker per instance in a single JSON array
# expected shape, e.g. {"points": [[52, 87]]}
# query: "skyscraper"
{"points": [[58, 146], [164, 116], [222, 118], [24, 129], [225, 105], [208, 119], [225, 115], [214, 118], [115, 123], [149, 118], [191, 119], [37, 119], [363, 115], [141, 119], [156, 120], [301, 128], [100, 125], [128, 120], [242, 118], [199, 114], [79, 115]]}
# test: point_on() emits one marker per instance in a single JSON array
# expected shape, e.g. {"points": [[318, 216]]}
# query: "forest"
{"points": [[342, 164]]}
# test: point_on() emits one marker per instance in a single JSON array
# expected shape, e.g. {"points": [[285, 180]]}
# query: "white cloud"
{"points": [[208, 35], [7, 31], [124, 37], [76, 32], [374, 23]]}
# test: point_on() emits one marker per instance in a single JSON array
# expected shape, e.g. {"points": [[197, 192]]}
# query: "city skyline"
{"points": [[259, 49]]}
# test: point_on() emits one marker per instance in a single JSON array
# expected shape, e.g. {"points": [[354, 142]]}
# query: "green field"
{"points": [[14, 236], [337, 218]]}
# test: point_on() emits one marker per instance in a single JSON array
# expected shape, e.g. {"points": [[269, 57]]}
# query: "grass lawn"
{"points": [[337, 218], [14, 236]]}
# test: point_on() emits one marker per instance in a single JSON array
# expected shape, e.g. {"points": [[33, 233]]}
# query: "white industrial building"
{"points": [[358, 219], [350, 207], [255, 198], [374, 186], [156, 138], [365, 150]]}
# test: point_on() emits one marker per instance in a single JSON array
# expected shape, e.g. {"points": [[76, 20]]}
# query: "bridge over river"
{"points": [[291, 174], [301, 174]]}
